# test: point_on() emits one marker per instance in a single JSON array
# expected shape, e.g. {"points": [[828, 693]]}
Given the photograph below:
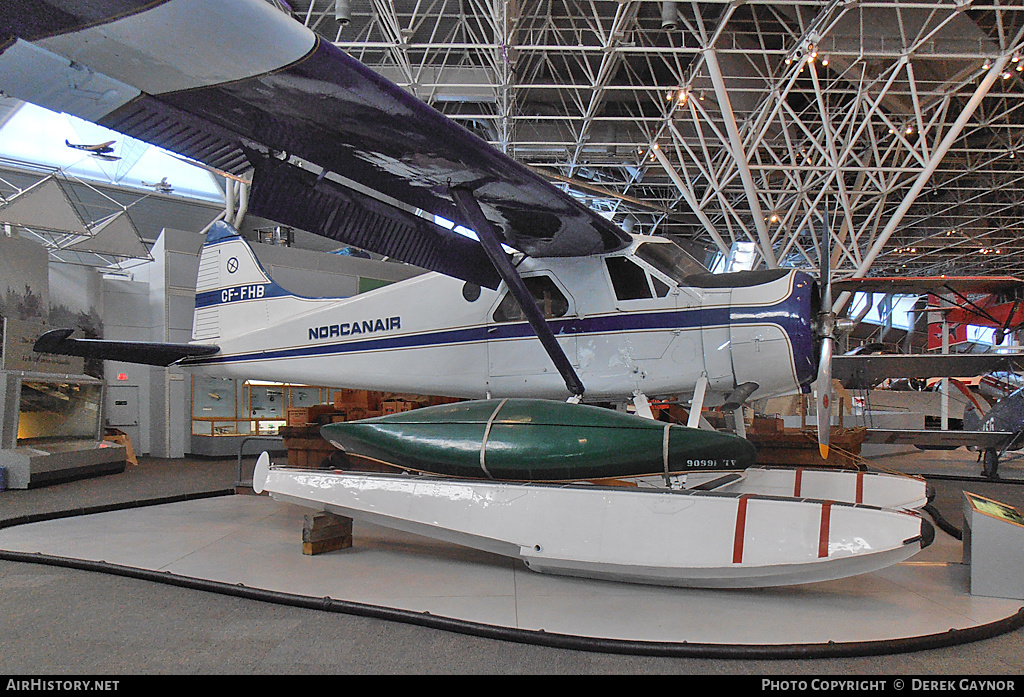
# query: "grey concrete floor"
{"points": [[57, 620]]}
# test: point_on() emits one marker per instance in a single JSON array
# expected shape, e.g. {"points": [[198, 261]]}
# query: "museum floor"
{"points": [[68, 620]]}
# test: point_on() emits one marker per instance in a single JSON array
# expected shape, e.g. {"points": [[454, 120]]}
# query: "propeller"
{"points": [[826, 331]]}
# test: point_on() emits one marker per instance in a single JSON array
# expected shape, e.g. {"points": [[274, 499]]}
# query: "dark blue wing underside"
{"points": [[329, 110]]}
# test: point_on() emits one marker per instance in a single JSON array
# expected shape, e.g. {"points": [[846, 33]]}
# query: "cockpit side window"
{"points": [[660, 289], [670, 259], [628, 279], [551, 301]]}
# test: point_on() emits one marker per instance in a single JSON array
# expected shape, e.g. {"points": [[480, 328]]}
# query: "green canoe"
{"points": [[536, 440]]}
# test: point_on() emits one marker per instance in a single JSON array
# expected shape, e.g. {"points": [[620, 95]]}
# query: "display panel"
{"points": [[266, 401], [995, 509], [215, 409]]}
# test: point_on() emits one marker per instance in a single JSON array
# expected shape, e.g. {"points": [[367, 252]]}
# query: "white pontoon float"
{"points": [[639, 535]]}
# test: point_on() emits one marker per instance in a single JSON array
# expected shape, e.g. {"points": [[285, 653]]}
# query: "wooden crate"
{"points": [[796, 446], [297, 416], [346, 399]]}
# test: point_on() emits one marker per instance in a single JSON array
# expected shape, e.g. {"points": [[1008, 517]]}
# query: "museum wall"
{"points": [[127, 317]]}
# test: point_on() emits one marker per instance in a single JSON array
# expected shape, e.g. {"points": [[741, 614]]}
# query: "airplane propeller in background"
{"points": [[826, 330]]}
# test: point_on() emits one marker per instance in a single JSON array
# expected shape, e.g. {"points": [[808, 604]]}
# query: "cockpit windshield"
{"points": [[670, 259]]}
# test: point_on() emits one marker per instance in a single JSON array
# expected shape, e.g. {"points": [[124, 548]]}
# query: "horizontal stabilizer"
{"points": [[939, 285], [146, 352]]}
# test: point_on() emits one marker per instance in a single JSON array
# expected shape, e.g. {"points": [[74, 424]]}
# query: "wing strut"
{"points": [[470, 209]]}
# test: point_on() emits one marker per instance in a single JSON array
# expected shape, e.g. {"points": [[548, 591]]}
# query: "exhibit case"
{"points": [[225, 410], [215, 407], [52, 429]]}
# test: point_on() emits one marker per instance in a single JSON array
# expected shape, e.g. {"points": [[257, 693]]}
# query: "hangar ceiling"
{"points": [[137, 216], [723, 121]]}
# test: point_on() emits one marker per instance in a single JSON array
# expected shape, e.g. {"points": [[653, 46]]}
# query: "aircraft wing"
{"points": [[100, 147], [1006, 316], [920, 285], [862, 372], [936, 438], [337, 149]]}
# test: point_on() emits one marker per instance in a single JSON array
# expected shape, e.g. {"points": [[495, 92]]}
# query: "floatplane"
{"points": [[101, 151], [545, 307]]}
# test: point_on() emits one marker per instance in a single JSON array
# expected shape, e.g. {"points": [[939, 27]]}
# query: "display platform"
{"points": [[51, 463], [251, 546]]}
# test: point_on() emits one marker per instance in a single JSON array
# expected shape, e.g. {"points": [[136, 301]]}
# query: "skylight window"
{"points": [[36, 135]]}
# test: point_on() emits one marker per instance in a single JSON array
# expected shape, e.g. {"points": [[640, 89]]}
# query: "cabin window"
{"points": [[628, 279], [549, 299], [471, 292]]}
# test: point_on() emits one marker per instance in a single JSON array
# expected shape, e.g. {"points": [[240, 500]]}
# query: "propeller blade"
{"points": [[824, 396], [826, 324], [824, 268]]}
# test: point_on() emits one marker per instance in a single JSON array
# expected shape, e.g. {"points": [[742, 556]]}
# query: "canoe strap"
{"points": [[487, 434], [664, 453]]}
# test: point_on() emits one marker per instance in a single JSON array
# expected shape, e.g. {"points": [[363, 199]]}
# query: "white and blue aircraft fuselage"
{"points": [[647, 320]]}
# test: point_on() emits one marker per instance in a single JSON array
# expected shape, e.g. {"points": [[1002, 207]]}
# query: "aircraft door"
{"points": [[716, 339], [639, 294], [513, 349]]}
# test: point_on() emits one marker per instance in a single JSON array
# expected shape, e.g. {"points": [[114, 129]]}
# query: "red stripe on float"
{"points": [[741, 527], [860, 487], [823, 530], [798, 482]]}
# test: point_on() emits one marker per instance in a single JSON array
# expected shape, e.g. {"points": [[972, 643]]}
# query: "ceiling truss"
{"points": [[736, 121]]}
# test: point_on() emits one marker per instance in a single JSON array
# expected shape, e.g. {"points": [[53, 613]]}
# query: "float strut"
{"points": [[693, 420]]}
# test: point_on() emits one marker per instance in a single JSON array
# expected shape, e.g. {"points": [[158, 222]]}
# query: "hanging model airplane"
{"points": [[101, 151], [162, 186], [580, 310]]}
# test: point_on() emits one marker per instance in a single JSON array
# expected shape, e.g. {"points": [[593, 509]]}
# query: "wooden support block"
{"points": [[325, 532]]}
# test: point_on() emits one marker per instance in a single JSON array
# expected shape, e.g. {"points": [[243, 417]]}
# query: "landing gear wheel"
{"points": [[990, 464]]}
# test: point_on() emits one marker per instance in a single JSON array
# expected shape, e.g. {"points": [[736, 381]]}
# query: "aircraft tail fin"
{"points": [[234, 294]]}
